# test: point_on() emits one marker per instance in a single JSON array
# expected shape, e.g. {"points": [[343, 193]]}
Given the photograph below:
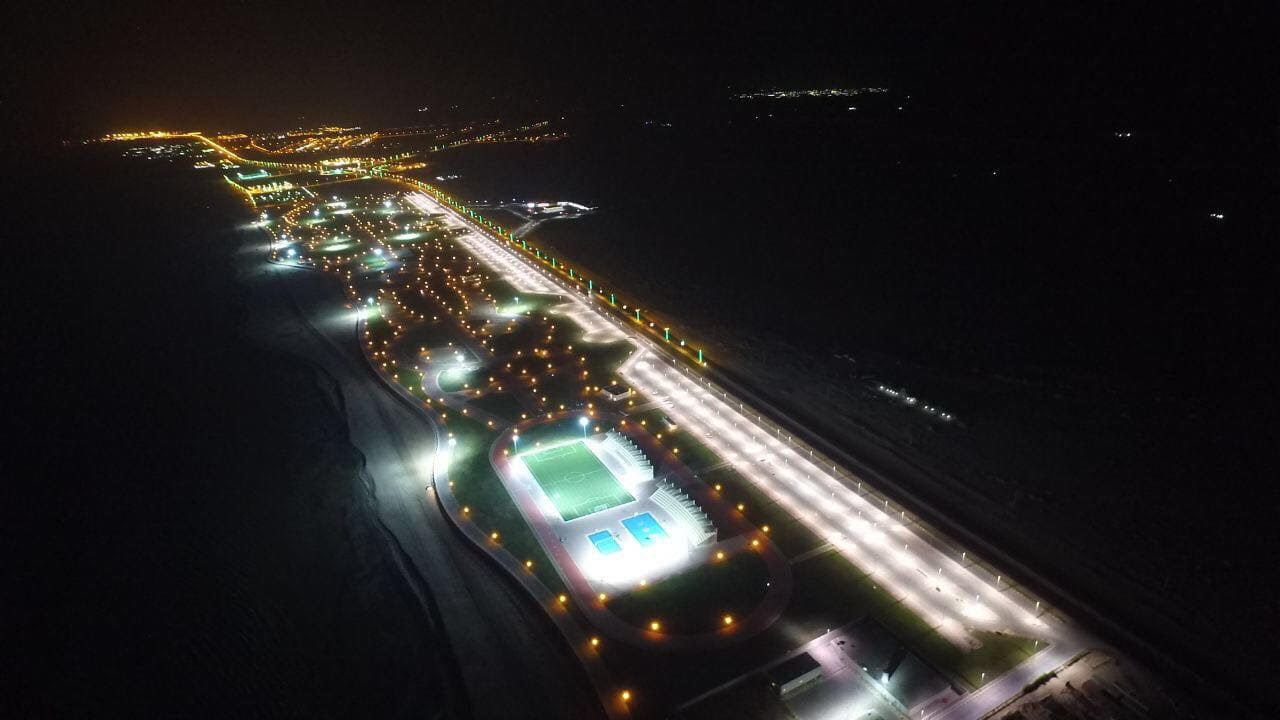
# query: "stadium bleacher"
{"points": [[686, 513]]}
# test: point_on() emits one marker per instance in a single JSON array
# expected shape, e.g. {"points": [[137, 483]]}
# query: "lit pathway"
{"points": [[741, 533], [936, 586], [458, 400], [952, 595]]}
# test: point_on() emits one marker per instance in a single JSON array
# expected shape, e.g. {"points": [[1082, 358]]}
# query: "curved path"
{"points": [[512, 663], [954, 594], [571, 630], [578, 637], [728, 521], [457, 400]]}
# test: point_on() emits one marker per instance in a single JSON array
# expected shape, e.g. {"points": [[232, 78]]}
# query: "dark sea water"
{"points": [[1102, 339], [187, 534]]}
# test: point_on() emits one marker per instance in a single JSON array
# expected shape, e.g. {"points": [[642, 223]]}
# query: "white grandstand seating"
{"points": [[638, 462], [676, 503]]}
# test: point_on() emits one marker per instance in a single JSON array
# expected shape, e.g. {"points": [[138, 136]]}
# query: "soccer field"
{"points": [[575, 480]]}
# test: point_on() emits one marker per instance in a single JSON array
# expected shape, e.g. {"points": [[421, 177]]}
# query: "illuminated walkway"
{"points": [[946, 589]]}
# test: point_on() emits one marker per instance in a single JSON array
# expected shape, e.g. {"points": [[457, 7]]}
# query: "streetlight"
{"points": [[584, 422], [515, 441]]}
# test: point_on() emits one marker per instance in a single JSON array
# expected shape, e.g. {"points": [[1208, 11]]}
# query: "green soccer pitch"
{"points": [[575, 480]]}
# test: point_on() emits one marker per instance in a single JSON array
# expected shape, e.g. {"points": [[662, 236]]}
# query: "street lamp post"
{"points": [[584, 422]]}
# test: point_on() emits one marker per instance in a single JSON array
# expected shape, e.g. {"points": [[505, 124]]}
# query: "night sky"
{"points": [[217, 66]]}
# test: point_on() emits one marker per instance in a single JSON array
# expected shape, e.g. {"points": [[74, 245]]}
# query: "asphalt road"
{"points": [[827, 502], [978, 703], [512, 661]]}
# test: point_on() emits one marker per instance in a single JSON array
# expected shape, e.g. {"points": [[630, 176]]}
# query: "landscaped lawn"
{"points": [[698, 599], [788, 532], [454, 379], [830, 591], [477, 486], [502, 404]]}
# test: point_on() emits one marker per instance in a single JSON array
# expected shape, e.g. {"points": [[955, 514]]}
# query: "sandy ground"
{"points": [[512, 661]]}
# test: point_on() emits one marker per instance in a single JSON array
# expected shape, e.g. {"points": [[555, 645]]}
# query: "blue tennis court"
{"points": [[604, 542], [644, 529]]}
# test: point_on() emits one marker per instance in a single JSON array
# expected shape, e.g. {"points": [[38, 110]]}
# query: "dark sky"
{"points": [[88, 69]]}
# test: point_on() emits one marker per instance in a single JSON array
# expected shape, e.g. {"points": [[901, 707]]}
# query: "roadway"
{"points": [[941, 586], [944, 587]]}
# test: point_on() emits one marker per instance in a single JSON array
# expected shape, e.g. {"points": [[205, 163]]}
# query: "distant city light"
{"points": [[813, 93]]}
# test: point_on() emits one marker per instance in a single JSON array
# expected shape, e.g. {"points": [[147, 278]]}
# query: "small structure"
{"points": [[616, 393], [899, 654], [561, 208], [790, 676]]}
